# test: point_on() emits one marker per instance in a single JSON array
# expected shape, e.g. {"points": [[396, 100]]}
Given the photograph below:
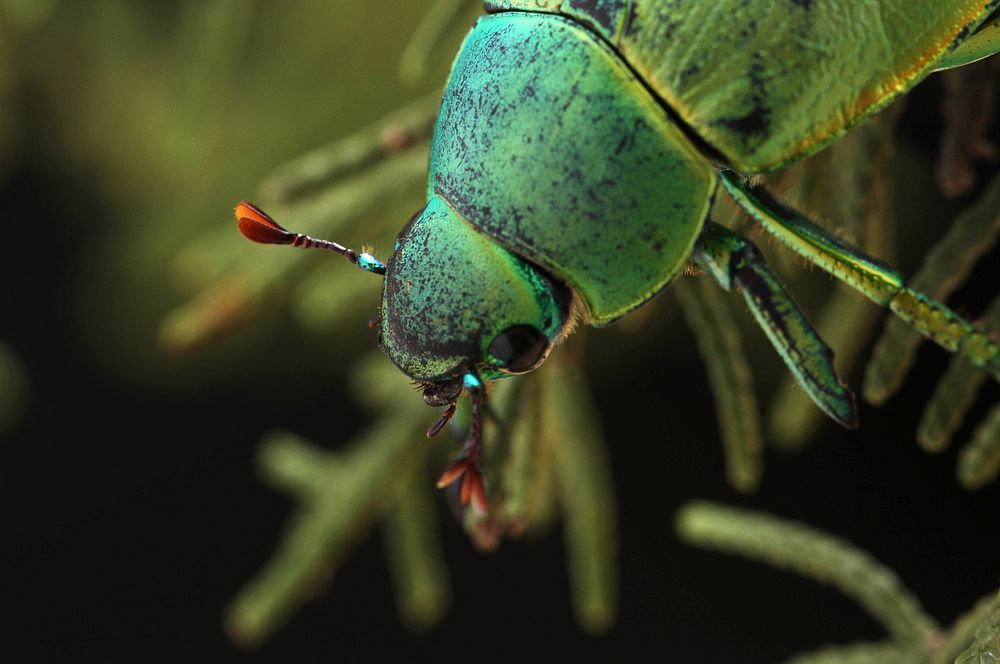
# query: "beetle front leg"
{"points": [[466, 466], [735, 262]]}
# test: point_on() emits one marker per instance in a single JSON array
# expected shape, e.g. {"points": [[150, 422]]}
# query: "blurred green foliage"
{"points": [[169, 110], [915, 637], [14, 388]]}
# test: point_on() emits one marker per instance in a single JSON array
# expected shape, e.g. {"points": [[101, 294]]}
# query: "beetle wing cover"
{"points": [[767, 82], [547, 143]]}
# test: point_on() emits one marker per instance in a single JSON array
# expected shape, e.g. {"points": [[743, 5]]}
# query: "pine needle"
{"points": [[812, 554], [729, 375]]}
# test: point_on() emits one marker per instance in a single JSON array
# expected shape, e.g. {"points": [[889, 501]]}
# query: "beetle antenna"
{"points": [[466, 466], [257, 225]]}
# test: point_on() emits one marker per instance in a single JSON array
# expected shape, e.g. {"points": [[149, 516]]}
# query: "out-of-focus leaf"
{"points": [[968, 111], [529, 502], [256, 277], [326, 166]]}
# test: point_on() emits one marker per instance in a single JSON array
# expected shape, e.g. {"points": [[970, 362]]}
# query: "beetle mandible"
{"points": [[577, 152]]}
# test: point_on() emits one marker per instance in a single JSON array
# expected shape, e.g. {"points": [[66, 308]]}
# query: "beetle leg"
{"points": [[466, 466], [735, 262], [872, 278], [982, 44]]}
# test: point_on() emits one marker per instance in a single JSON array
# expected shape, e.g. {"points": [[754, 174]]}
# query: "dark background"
{"points": [[134, 513]]}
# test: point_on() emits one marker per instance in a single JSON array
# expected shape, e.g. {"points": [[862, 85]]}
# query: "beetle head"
{"points": [[457, 308], [455, 301]]}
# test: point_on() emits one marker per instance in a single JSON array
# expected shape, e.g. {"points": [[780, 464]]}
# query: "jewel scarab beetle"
{"points": [[577, 152]]}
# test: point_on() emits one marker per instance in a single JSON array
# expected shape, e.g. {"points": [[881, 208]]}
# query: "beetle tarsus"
{"points": [[474, 492], [453, 471], [466, 466], [472, 489]]}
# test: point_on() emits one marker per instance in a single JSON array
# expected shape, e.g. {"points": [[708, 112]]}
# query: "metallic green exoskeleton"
{"points": [[577, 152]]}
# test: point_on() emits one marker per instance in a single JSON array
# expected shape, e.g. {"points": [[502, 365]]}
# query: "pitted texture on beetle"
{"points": [[547, 143], [450, 290], [767, 82]]}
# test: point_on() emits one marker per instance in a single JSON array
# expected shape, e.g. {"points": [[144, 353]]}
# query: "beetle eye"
{"points": [[519, 348]]}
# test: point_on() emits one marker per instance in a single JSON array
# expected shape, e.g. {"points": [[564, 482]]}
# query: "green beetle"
{"points": [[578, 150]]}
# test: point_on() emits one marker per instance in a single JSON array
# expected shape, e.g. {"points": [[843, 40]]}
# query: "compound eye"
{"points": [[519, 348]]}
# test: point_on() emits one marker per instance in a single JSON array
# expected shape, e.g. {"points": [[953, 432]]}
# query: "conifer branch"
{"points": [[813, 554]]}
